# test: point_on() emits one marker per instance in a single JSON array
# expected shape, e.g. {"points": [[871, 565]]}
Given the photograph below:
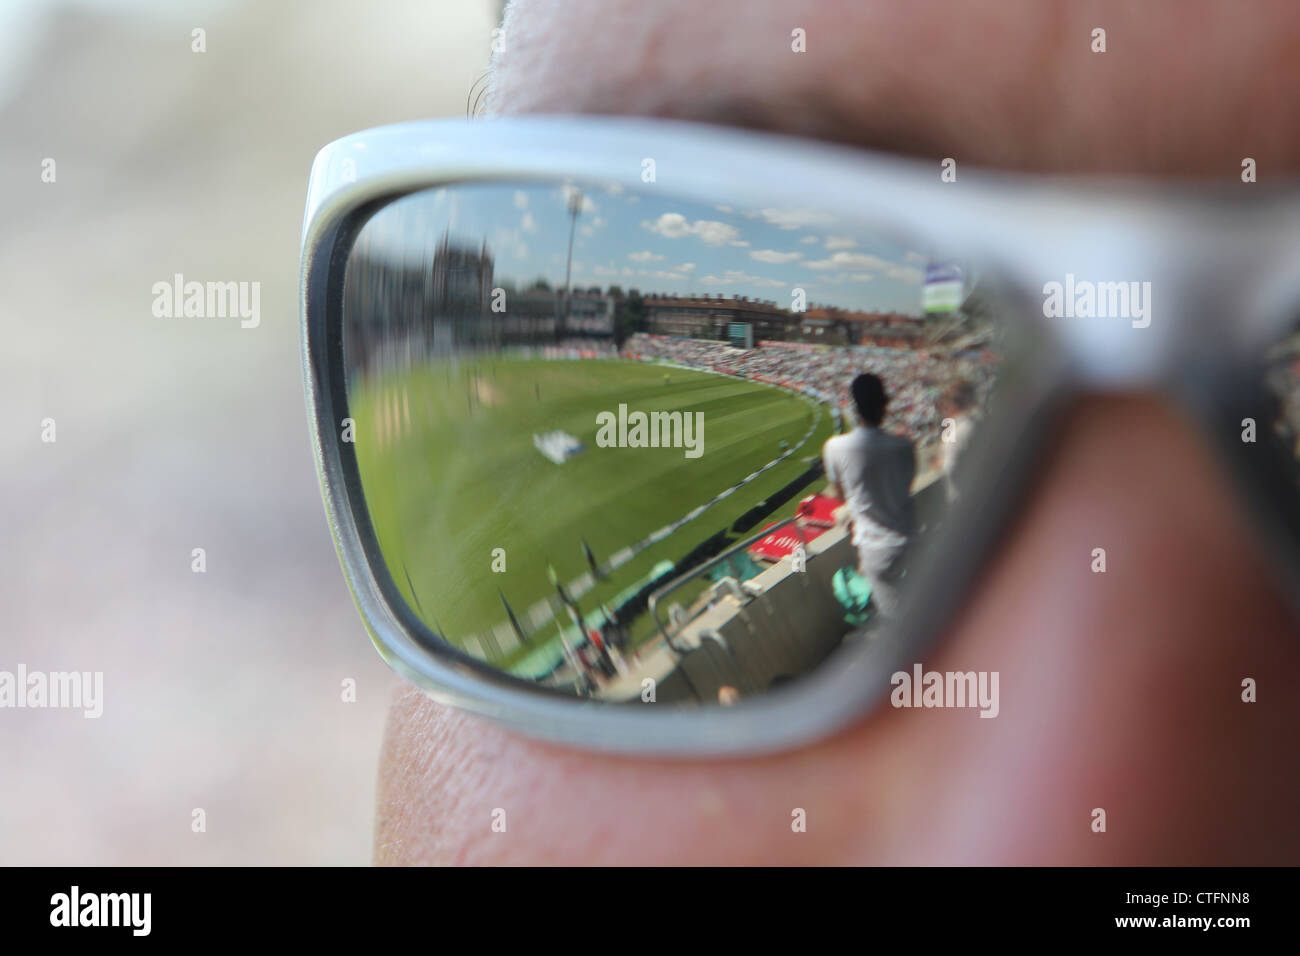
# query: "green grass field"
{"points": [[450, 471]]}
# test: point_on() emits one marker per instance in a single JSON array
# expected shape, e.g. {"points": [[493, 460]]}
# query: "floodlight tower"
{"points": [[575, 207]]}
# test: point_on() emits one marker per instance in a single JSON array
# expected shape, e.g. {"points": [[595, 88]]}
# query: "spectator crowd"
{"points": [[915, 380]]}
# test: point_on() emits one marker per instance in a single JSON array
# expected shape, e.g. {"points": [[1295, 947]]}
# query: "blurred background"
{"points": [[222, 690]]}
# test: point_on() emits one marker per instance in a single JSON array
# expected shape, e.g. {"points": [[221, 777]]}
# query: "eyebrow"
{"points": [[782, 112], [803, 114], [805, 103]]}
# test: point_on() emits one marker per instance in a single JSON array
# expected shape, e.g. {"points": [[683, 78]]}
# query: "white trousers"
{"points": [[878, 563]]}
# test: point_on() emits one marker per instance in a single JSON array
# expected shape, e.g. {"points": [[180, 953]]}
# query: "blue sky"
{"points": [[642, 240]]}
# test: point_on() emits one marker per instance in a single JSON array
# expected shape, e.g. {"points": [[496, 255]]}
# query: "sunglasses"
{"points": [[660, 438]]}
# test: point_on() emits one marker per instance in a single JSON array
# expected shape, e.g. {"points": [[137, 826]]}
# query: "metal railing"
{"points": [[729, 583]]}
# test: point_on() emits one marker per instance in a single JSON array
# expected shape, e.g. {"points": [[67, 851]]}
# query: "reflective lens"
{"points": [[591, 424], [1282, 373]]}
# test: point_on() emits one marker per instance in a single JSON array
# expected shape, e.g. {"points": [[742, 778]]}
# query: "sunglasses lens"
{"points": [[591, 426], [1282, 376]]}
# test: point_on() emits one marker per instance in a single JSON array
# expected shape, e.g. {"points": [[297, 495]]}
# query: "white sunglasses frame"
{"points": [[1209, 251]]}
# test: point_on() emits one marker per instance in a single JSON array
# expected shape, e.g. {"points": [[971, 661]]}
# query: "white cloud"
{"points": [[796, 218], [915, 257], [529, 224], [772, 257], [726, 209], [590, 228], [521, 199], [870, 263], [686, 267], [567, 191], [846, 260], [646, 256], [739, 277], [840, 242], [513, 238], [673, 225], [713, 233], [808, 240]]}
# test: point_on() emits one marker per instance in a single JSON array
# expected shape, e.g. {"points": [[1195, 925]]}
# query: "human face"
{"points": [[1127, 685]]}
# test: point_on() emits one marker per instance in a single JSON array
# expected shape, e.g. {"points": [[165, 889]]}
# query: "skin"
{"points": [[1119, 691]]}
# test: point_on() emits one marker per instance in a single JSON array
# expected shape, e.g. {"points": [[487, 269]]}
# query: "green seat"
{"points": [[853, 591]]}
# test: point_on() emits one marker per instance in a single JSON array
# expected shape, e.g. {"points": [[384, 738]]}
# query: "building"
{"points": [[823, 325], [531, 315], [890, 330], [710, 317], [402, 307], [591, 313], [461, 280], [828, 325]]}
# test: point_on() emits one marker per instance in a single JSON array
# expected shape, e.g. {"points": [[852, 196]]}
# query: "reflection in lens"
{"points": [[589, 424], [1282, 375]]}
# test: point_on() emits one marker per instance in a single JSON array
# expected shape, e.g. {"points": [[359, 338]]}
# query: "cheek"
{"points": [[446, 774], [1121, 690]]}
